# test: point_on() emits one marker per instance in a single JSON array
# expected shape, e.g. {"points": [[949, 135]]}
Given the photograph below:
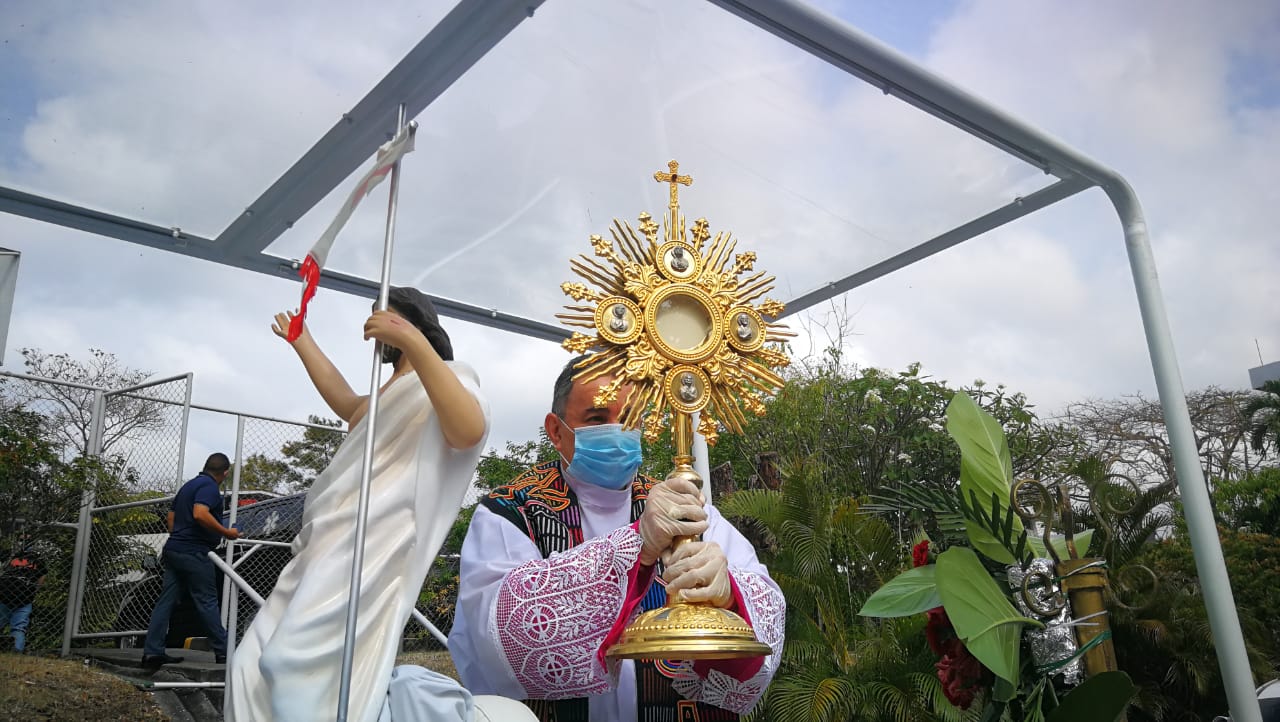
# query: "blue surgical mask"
{"points": [[606, 455]]}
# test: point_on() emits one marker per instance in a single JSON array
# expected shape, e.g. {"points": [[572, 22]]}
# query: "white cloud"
{"points": [[182, 114]]}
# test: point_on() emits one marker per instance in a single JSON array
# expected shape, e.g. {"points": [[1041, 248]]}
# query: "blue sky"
{"points": [[183, 114]]}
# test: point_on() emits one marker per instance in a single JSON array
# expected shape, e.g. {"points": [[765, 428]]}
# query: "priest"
{"points": [[556, 563]]}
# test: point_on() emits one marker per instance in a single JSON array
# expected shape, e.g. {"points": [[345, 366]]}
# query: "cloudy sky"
{"points": [[182, 114]]}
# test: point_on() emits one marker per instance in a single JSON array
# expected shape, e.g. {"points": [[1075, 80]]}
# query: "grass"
{"points": [[42, 688]]}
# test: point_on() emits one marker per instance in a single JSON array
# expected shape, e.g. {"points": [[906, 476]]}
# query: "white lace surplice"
{"points": [[528, 627], [288, 666]]}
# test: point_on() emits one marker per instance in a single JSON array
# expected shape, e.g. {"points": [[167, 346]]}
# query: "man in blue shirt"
{"points": [[194, 530]]}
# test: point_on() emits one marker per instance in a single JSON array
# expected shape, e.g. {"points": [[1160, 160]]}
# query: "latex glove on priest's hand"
{"points": [[698, 571], [674, 508]]}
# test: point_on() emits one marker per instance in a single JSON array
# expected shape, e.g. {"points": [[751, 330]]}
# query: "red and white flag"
{"points": [[388, 155]]}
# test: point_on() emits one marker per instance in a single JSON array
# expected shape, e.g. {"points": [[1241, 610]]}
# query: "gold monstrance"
{"points": [[675, 327]]}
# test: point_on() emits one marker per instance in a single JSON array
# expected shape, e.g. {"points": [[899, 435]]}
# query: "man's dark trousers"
{"points": [[193, 573]]}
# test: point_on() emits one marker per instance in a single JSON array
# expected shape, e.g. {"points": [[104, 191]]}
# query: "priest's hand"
{"points": [[698, 571], [281, 326], [674, 508]]}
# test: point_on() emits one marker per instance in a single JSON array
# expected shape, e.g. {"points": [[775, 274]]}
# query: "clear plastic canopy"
{"points": [[550, 136]]}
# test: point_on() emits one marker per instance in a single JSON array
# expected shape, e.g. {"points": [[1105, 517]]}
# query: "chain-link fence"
{"points": [[140, 438], [70, 454], [273, 457], [92, 483], [436, 604], [98, 499]]}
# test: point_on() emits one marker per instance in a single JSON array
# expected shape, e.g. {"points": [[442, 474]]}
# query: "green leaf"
{"points": [[994, 711], [982, 615], [911, 592], [1102, 698], [1004, 690], [1083, 540], [987, 543], [985, 465], [982, 446]]}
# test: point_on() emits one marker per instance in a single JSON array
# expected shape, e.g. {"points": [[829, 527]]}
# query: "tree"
{"points": [[1166, 644], [263, 473], [1262, 411], [871, 429], [315, 450], [498, 468], [300, 462], [1130, 433], [35, 486], [1251, 504], [70, 414], [42, 487]]}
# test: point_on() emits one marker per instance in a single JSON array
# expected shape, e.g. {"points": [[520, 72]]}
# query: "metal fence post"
{"points": [[84, 527], [227, 591], [231, 594], [182, 437]]}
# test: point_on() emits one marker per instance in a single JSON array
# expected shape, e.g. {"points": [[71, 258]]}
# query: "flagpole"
{"points": [[371, 416]]}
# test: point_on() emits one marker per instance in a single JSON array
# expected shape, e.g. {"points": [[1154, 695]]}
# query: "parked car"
{"points": [[261, 516]]}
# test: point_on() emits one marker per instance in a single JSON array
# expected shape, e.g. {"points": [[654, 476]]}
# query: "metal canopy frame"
{"points": [[474, 27]]}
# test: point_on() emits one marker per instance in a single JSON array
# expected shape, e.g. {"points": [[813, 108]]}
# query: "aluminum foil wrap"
{"points": [[1057, 641]]}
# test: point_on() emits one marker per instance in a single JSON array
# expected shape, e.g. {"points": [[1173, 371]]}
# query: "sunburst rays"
{"points": [[641, 295]]}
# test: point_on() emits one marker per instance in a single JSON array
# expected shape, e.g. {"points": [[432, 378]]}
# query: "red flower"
{"points": [[961, 675], [959, 671], [920, 554], [938, 630]]}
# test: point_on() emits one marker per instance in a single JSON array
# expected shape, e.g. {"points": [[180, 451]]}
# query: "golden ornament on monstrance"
{"points": [[678, 327]]}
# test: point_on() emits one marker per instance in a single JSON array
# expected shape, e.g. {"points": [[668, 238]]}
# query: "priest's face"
{"points": [[580, 410]]}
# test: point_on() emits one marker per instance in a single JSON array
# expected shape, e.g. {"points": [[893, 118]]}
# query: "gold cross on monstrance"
{"points": [[674, 178]]}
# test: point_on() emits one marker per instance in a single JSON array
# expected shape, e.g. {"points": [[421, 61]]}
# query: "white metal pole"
{"points": [[371, 415], [1224, 620]]}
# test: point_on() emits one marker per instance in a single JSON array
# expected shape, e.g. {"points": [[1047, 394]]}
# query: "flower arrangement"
{"points": [[982, 619]]}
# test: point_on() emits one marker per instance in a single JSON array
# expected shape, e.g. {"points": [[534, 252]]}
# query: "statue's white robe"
{"points": [[288, 666]]}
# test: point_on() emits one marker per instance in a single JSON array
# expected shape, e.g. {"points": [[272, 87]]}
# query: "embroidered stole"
{"points": [[542, 505]]}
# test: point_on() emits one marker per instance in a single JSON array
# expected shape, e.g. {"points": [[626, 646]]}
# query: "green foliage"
{"points": [[38, 487], [299, 463], [827, 558], [1100, 699], [986, 470], [264, 473], [981, 612], [316, 448], [1253, 564], [1263, 413], [1251, 503], [496, 469], [911, 592], [1159, 624], [873, 430], [950, 519]]}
